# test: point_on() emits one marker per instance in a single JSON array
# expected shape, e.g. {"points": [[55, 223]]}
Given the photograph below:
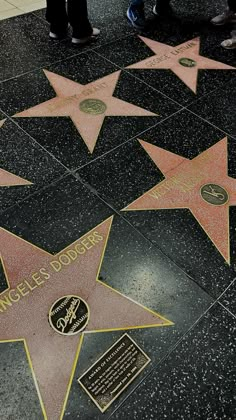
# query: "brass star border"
{"points": [[78, 278], [86, 105], [201, 185], [183, 60]]}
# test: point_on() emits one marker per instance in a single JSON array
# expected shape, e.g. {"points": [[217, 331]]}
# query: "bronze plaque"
{"points": [[107, 378], [214, 194], [187, 62], [69, 315], [93, 106]]}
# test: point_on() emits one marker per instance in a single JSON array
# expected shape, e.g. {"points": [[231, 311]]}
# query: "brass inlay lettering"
{"points": [[187, 62], [214, 194], [153, 61], [184, 182], [92, 106], [40, 277], [116, 369], [69, 315]]}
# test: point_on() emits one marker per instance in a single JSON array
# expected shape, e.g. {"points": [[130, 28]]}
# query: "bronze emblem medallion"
{"points": [[214, 194], [69, 315], [187, 62], [92, 106]]}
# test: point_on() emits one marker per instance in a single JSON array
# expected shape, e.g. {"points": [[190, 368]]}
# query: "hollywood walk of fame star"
{"points": [[184, 60], [201, 185], [36, 283], [3, 275], [7, 179], [2, 122], [86, 105]]}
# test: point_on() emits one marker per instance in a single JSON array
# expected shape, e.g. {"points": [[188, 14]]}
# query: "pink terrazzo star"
{"points": [[167, 57], [69, 102], [53, 354], [7, 179], [202, 185]]}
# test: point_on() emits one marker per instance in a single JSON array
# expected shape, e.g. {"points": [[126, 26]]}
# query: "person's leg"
{"points": [[82, 30], [162, 8], [78, 18], [230, 44], [136, 2], [57, 17], [135, 14], [228, 16], [232, 5], [162, 4]]}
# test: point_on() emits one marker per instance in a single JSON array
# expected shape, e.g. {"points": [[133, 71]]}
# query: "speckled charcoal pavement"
{"points": [[117, 236]]}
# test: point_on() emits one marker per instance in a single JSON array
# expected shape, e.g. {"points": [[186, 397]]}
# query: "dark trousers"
{"points": [[76, 14], [159, 3], [232, 5]]}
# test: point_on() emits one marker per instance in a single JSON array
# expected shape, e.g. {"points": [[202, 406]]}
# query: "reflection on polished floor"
{"points": [[118, 239]]}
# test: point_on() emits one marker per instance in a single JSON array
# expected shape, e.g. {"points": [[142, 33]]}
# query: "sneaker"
{"points": [[229, 44], [86, 39], [58, 33], [227, 17], [135, 15]]}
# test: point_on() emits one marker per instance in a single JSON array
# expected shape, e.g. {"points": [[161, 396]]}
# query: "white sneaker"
{"points": [[229, 44], [227, 17], [53, 35], [80, 41], [162, 10], [58, 33], [154, 10]]}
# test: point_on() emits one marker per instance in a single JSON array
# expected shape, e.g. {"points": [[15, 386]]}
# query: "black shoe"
{"points": [[228, 16], [162, 10], [57, 33], [136, 16], [85, 39]]}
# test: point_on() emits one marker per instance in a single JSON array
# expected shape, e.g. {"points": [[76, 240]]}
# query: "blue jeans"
{"points": [[161, 3], [136, 2]]}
